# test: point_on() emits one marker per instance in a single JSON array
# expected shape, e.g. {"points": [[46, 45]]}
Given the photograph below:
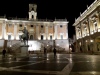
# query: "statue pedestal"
{"points": [[24, 50]]}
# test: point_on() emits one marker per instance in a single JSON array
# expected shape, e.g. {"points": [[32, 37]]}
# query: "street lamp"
{"points": [[92, 45]]}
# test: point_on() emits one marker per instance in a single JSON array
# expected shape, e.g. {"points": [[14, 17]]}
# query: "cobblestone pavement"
{"points": [[85, 65], [63, 64], [35, 65]]}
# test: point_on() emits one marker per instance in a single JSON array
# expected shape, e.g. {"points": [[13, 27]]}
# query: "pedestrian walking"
{"points": [[54, 51], [4, 52]]}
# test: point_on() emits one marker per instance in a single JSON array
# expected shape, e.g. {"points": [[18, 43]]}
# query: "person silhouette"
{"points": [[54, 52], [4, 52], [45, 51]]}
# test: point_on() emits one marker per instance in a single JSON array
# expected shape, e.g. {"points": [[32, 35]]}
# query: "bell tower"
{"points": [[32, 11]]}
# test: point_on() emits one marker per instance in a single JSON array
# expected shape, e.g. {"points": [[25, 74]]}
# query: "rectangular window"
{"points": [[50, 26], [50, 37], [31, 25], [20, 25], [41, 26], [9, 37], [61, 36], [60, 26], [41, 37], [10, 25], [19, 36]]}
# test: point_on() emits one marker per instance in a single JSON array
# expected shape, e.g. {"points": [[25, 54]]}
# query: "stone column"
{"points": [[98, 21], [94, 46], [83, 45], [55, 31], [3, 29], [76, 32], [37, 31], [92, 26], [15, 31], [88, 24], [77, 46]]}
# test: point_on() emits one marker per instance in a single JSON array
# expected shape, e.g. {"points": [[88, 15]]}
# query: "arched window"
{"points": [[31, 37]]}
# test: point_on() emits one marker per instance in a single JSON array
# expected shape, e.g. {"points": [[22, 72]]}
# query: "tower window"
{"points": [[32, 9]]}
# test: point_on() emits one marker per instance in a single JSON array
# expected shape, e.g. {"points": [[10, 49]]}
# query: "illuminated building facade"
{"points": [[40, 31], [87, 27]]}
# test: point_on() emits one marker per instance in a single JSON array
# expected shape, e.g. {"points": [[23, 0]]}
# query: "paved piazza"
{"points": [[63, 64]]}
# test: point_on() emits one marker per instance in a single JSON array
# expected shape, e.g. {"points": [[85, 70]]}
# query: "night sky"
{"points": [[69, 9]]}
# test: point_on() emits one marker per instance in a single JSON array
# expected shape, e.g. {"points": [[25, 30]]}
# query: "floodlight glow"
{"points": [[34, 45]]}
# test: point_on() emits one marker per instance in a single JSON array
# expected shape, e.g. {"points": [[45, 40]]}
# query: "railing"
{"points": [[87, 11], [15, 18], [2, 16], [15, 46]]}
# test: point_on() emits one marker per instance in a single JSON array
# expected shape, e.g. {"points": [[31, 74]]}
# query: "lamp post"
{"points": [[91, 45]]}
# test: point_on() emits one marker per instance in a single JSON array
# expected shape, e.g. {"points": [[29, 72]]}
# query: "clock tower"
{"points": [[32, 11]]}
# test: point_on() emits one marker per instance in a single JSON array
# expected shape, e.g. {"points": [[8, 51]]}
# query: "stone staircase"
{"points": [[14, 49], [49, 46]]}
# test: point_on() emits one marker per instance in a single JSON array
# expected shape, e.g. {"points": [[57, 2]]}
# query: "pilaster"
{"points": [[46, 31], [37, 31], [3, 29], [98, 21], [55, 31], [15, 31]]}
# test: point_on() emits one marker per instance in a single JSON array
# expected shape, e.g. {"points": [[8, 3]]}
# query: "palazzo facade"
{"points": [[43, 31], [87, 27]]}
